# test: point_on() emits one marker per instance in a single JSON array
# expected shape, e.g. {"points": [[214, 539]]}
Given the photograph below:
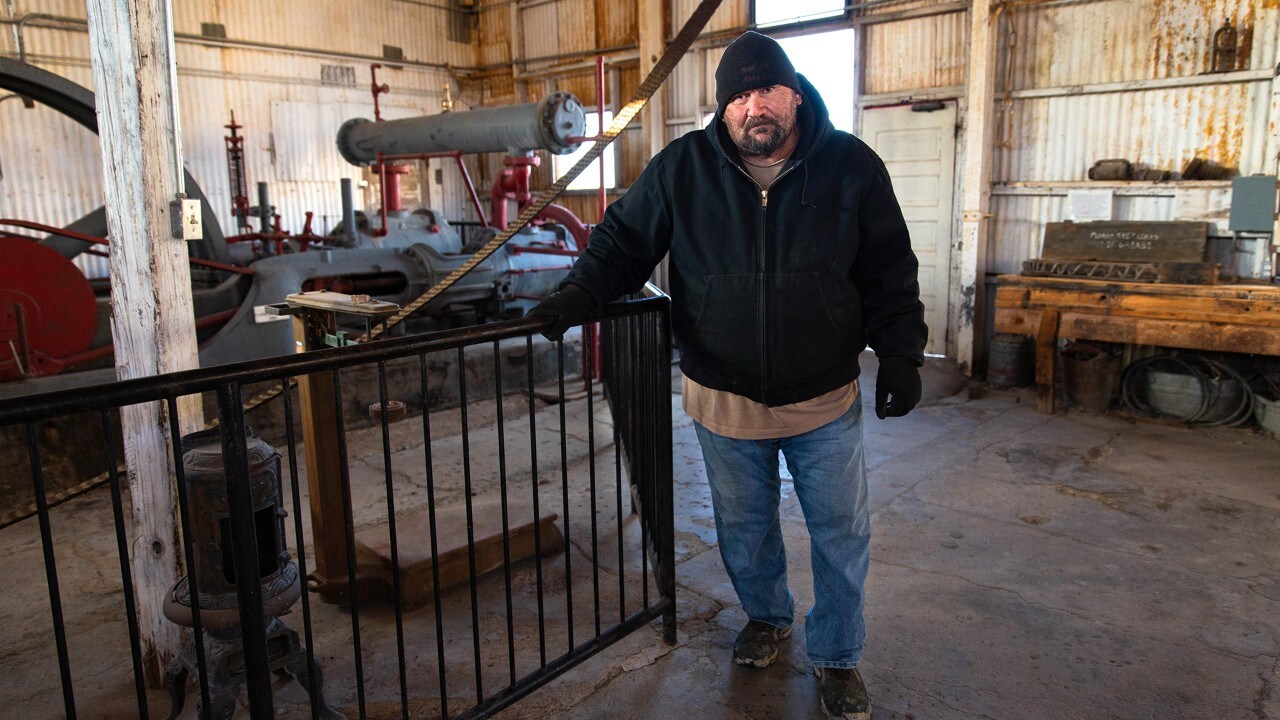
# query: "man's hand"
{"points": [[898, 378], [568, 306]]}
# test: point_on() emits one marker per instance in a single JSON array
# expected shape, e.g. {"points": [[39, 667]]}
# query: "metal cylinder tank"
{"points": [[547, 125]]}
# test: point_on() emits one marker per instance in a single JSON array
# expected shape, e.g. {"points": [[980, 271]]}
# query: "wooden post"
{"points": [[1047, 360], [324, 466], [966, 299], [131, 43], [651, 16]]}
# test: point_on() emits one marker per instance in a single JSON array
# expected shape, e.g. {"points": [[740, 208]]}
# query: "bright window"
{"points": [[780, 12], [590, 178], [826, 59]]}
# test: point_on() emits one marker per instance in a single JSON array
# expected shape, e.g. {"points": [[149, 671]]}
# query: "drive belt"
{"points": [[674, 52]]}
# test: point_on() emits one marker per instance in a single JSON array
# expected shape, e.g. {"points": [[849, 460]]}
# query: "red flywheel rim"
{"points": [[57, 301]]}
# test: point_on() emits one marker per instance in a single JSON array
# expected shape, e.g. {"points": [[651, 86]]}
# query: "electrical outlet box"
{"points": [[1253, 204], [184, 219]]}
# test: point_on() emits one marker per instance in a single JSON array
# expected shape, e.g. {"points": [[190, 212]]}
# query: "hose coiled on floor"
{"points": [[1210, 375]]}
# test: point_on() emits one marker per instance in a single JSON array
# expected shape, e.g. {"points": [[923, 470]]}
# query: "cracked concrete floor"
{"points": [[1024, 566]]}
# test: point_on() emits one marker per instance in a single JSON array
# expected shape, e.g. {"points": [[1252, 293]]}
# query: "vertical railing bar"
{"points": [[122, 548], [424, 386], [349, 535], [51, 571], [589, 362], [506, 519], [617, 380], [639, 455], [391, 530], [537, 526], [471, 528], [313, 681], [244, 543], [564, 496], [193, 588], [189, 556], [662, 419], [658, 534]]}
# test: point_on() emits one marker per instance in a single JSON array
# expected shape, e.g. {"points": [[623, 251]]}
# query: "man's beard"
{"points": [[760, 145]]}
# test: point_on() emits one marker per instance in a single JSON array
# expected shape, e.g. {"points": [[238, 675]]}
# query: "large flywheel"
{"points": [[48, 312]]}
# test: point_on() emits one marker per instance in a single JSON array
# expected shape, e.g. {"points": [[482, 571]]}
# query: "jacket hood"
{"points": [[812, 117]]}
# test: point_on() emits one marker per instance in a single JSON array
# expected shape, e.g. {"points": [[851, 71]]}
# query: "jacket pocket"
{"points": [[804, 335], [725, 336]]}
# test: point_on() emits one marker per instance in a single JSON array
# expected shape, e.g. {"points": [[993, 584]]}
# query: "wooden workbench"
{"points": [[1227, 318]]}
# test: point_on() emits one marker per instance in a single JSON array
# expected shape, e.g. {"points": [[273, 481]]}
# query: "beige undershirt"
{"points": [[731, 415]]}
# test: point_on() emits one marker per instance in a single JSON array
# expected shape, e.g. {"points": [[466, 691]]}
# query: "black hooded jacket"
{"points": [[775, 292]]}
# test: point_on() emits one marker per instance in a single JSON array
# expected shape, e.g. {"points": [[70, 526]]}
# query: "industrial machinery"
{"points": [[52, 319]]}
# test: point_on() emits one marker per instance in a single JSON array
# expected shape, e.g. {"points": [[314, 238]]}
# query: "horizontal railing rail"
{"points": [[465, 562]]}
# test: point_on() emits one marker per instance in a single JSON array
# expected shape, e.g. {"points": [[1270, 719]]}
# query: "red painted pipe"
{"points": [[103, 241]]}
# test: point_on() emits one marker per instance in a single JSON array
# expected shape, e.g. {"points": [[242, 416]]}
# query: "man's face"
{"points": [[759, 121]]}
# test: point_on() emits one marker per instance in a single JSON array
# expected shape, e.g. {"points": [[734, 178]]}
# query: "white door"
{"points": [[919, 149]]}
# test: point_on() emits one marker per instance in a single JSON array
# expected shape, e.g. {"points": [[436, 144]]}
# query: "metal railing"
{"points": [[508, 624]]}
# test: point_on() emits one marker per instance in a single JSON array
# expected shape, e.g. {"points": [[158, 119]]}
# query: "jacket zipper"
{"points": [[762, 340]]}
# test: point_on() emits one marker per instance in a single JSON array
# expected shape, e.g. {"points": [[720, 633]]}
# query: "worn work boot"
{"points": [[757, 644], [843, 694]]}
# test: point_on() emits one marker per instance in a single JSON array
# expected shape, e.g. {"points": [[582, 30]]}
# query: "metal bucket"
{"points": [[1009, 364], [1088, 377]]}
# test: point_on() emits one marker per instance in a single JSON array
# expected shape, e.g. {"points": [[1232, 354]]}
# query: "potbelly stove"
{"points": [[216, 581]]}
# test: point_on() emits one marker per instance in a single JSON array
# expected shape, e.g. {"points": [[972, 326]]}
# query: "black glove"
{"points": [[568, 305], [899, 378]]}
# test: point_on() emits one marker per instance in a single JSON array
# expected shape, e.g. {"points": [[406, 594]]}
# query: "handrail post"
{"points": [[244, 549], [664, 476]]}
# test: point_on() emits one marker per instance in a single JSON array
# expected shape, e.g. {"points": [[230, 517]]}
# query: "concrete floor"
{"points": [[1023, 566]]}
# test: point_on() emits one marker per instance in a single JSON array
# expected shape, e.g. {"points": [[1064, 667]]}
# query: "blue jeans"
{"points": [[830, 480]]}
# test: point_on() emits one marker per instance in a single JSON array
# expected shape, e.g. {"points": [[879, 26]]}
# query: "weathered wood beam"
{"points": [[651, 16], [969, 254], [131, 43]]}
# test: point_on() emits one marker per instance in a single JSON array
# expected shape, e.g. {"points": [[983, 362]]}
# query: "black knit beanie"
{"points": [[753, 61]]}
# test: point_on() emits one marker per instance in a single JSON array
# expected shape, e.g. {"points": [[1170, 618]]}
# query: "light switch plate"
{"points": [[184, 219]]}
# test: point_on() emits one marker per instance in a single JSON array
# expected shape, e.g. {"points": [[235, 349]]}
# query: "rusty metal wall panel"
{"points": [[1115, 40], [731, 14], [684, 88], [423, 32], [618, 23], [583, 85], [915, 54], [1058, 138], [493, 31], [556, 27]]}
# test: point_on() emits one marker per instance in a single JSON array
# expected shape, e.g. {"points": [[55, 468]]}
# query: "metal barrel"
{"points": [[1009, 361], [547, 125]]}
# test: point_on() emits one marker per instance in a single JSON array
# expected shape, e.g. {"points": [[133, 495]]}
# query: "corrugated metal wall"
{"points": [[1077, 82], [1088, 81], [916, 54], [50, 169]]}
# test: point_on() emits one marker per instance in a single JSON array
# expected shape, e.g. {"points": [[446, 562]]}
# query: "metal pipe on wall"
{"points": [[550, 125]]}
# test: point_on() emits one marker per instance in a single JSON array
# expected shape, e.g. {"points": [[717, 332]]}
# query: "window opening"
{"points": [[590, 178]]}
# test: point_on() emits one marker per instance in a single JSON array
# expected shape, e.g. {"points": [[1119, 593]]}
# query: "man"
{"points": [[788, 255]]}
